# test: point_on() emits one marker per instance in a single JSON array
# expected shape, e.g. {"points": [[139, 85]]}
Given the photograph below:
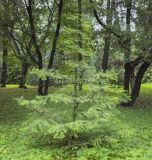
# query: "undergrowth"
{"points": [[16, 145]]}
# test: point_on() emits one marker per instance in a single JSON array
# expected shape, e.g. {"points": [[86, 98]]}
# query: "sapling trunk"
{"points": [[80, 37], [76, 104]]}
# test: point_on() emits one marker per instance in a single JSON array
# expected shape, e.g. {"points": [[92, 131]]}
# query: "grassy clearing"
{"points": [[140, 119], [16, 146], [13, 144], [16, 86]]}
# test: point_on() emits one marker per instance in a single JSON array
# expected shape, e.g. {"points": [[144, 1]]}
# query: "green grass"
{"points": [[14, 145], [140, 119], [16, 86]]}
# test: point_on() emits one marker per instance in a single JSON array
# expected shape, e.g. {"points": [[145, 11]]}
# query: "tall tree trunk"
{"points": [[128, 29], [127, 42], [40, 83], [39, 62], [23, 74], [80, 36], [40, 87], [46, 86], [4, 62], [52, 54], [105, 60], [127, 75]]}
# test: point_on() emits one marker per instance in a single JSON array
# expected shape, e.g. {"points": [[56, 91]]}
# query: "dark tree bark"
{"points": [[129, 72], [110, 9], [46, 86], [127, 53], [38, 53], [80, 26], [4, 63], [23, 75], [127, 75], [40, 87], [31, 43], [21, 54], [136, 89], [52, 54], [105, 59], [80, 36], [43, 85], [137, 79]]}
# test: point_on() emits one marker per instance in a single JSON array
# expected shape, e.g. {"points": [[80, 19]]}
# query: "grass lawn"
{"points": [[17, 146]]}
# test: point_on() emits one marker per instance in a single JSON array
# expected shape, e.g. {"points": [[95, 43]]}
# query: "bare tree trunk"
{"points": [[136, 89], [40, 87], [23, 75], [105, 60], [41, 82], [4, 63], [137, 79], [80, 36], [46, 86], [127, 75], [52, 54], [132, 80], [127, 42]]}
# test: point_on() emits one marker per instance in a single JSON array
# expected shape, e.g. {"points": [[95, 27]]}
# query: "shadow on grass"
{"points": [[10, 112]]}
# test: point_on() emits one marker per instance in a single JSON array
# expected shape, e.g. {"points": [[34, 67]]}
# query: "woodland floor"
{"points": [[16, 146]]}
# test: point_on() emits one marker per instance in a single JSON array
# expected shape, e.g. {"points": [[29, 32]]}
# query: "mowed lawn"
{"points": [[17, 146]]}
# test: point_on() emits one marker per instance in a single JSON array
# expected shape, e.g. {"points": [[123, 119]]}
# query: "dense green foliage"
{"points": [[90, 110], [78, 65]]}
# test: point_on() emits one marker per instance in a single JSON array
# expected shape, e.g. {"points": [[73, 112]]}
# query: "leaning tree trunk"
{"points": [[136, 89], [132, 79], [137, 80], [23, 75], [4, 64], [129, 77]]}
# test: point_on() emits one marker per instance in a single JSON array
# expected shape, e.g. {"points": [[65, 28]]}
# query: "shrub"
{"points": [[70, 115]]}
